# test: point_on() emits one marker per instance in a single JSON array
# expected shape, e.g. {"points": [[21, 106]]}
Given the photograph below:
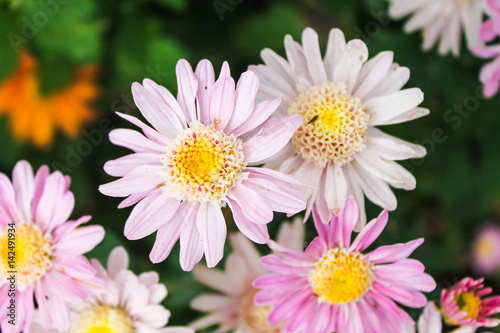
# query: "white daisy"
{"points": [[236, 310], [341, 98], [442, 20], [130, 303]]}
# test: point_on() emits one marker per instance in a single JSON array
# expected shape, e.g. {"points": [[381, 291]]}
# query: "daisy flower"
{"points": [[48, 262], [236, 310], [464, 304], [334, 286], [442, 21], [35, 117], [130, 303], [486, 250], [198, 159], [342, 99]]}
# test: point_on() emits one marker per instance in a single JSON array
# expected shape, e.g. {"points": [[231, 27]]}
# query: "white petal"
{"points": [[372, 73], [385, 108], [349, 66], [313, 57], [334, 51]]}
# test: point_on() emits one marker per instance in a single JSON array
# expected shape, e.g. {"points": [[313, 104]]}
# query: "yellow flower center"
{"points": [[253, 317], [334, 127], [470, 303], [103, 319], [202, 164], [485, 247], [341, 277], [26, 251]]}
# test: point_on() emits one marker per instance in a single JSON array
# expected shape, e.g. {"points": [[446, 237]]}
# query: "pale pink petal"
{"points": [[166, 100], [117, 261], [272, 137], [334, 52], [356, 53], [257, 116], [246, 90], [384, 108], [150, 133], [188, 86], [135, 141], [252, 204], [372, 73], [142, 178], [256, 232], [206, 78], [279, 196], [123, 165], [212, 228], [80, 241], [167, 123], [168, 234], [23, 183], [222, 98], [150, 214], [335, 187], [313, 57], [297, 59]]}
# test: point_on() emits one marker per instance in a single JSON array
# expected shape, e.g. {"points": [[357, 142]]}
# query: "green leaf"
{"points": [[65, 29], [177, 5], [9, 46]]}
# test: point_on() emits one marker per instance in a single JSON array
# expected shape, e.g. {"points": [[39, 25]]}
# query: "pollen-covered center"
{"points": [[470, 303], [334, 127], [103, 319], [26, 251], [253, 317], [341, 277], [202, 164]]}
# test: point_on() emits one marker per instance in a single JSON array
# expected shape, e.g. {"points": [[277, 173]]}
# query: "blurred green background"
{"points": [[458, 186]]}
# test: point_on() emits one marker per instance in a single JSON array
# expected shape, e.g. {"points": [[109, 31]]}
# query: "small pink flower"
{"points": [[486, 250], [48, 249], [198, 159], [335, 286], [464, 305]]}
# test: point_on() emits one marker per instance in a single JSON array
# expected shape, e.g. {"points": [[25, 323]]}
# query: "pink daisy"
{"points": [[486, 250], [342, 97], [198, 159], [130, 303], [334, 286], [235, 309], [464, 305], [48, 261]]}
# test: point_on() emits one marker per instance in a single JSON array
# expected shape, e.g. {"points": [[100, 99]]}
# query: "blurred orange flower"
{"points": [[35, 117]]}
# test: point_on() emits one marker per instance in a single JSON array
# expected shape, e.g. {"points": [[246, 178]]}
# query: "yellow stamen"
{"points": [[341, 277], [203, 164], [30, 252], [470, 303], [103, 319], [334, 127]]}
